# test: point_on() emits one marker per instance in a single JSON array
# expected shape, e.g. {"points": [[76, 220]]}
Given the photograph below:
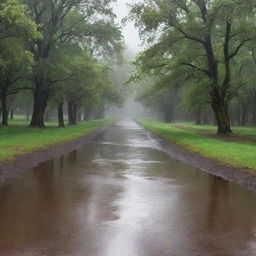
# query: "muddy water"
{"points": [[120, 195]]}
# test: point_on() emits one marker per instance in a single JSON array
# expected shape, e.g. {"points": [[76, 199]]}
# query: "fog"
{"points": [[131, 108], [130, 33]]}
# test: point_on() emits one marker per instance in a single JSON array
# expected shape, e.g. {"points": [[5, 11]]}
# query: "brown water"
{"points": [[121, 196]]}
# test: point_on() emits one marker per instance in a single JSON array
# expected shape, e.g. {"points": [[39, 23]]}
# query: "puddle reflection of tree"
{"points": [[218, 203], [228, 216]]}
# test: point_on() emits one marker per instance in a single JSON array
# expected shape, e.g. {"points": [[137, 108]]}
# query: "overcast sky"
{"points": [[130, 33]]}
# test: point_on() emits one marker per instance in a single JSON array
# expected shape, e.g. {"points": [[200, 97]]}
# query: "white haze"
{"points": [[133, 46], [130, 33]]}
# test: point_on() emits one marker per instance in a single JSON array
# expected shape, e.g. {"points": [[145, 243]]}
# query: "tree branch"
{"points": [[14, 91], [238, 48], [62, 79], [190, 37], [197, 68]]}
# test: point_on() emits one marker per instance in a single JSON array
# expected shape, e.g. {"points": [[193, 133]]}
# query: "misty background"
{"points": [[131, 107]]}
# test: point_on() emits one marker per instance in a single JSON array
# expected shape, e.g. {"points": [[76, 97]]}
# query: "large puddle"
{"points": [[121, 196]]}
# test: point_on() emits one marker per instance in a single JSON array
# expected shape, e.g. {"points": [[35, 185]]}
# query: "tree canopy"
{"points": [[201, 40]]}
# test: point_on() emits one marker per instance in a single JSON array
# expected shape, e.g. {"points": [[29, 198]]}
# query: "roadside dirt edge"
{"points": [[10, 169], [241, 176]]}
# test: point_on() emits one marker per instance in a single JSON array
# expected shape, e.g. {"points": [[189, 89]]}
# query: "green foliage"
{"points": [[16, 61], [197, 42], [15, 21], [75, 35], [80, 78], [15, 27], [195, 98]]}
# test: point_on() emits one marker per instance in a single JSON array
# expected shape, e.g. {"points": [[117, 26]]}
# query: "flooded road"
{"points": [[120, 195]]}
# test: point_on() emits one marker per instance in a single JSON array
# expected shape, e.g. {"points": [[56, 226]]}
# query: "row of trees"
{"points": [[200, 53], [60, 53]]}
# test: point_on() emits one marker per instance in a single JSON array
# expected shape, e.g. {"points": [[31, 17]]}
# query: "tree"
{"points": [[244, 102], [82, 86], [195, 100], [62, 22], [92, 88], [203, 36], [161, 95], [15, 60]]}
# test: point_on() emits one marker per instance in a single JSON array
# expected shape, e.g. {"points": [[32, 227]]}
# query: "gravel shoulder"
{"points": [[241, 176], [12, 168]]}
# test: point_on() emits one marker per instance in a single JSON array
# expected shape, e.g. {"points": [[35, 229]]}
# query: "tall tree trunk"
{"points": [[4, 109], [61, 115], [254, 109], [12, 114], [232, 119], [79, 115], [206, 118], [244, 115], [168, 112], [72, 113], [168, 116], [27, 115], [254, 114], [198, 117], [215, 121], [47, 115], [213, 117], [87, 114], [41, 95], [219, 103], [222, 117], [98, 113], [238, 115]]}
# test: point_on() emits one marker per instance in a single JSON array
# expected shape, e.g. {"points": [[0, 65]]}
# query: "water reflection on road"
{"points": [[120, 195]]}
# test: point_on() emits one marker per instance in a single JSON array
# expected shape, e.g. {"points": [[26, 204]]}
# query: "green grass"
{"points": [[235, 154], [246, 131], [21, 121], [19, 139]]}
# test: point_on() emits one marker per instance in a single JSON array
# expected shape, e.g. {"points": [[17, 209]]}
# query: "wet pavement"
{"points": [[120, 195]]}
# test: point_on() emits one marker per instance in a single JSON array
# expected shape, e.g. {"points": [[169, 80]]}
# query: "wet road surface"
{"points": [[120, 195]]}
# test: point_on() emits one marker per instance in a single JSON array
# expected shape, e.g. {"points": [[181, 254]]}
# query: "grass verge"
{"points": [[20, 139], [245, 131], [230, 153]]}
